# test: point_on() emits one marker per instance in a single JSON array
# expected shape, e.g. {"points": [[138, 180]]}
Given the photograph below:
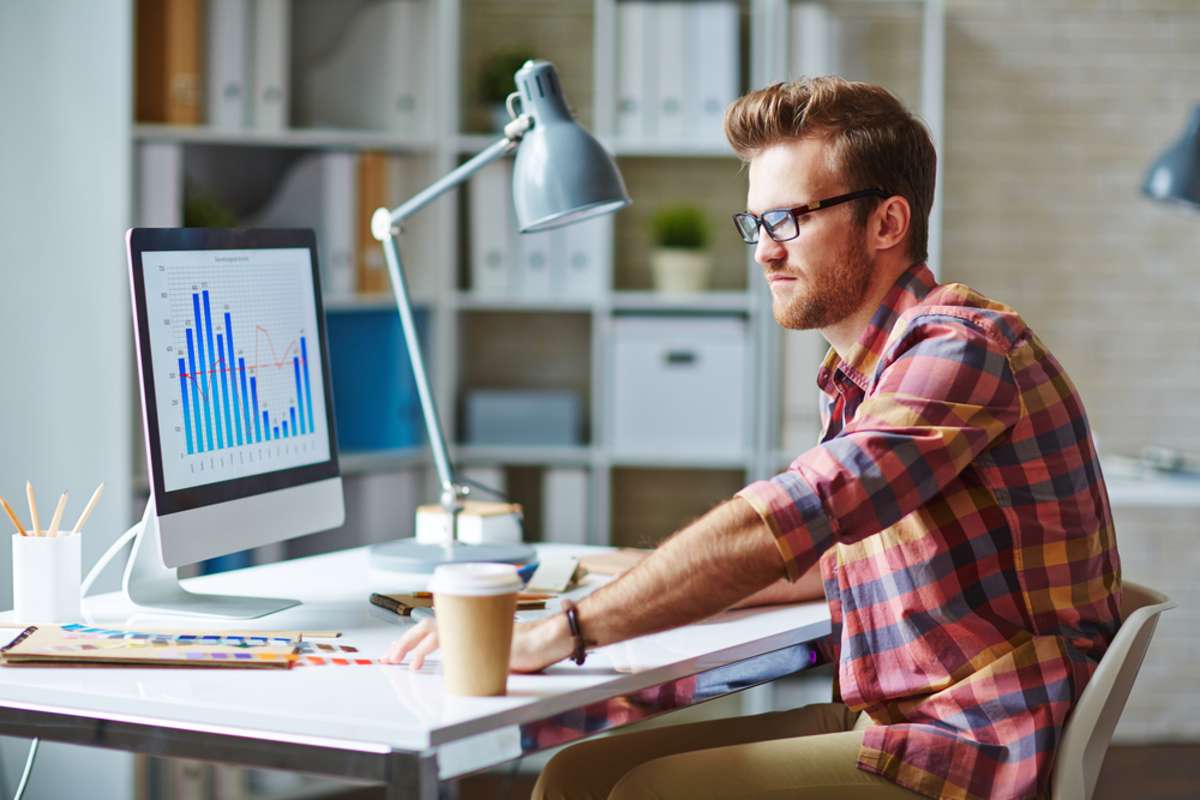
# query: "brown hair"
{"points": [[877, 143]]}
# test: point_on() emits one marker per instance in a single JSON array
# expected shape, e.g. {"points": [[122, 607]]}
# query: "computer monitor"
{"points": [[236, 404]]}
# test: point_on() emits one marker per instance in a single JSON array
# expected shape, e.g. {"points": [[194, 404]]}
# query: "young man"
{"points": [[954, 507]]}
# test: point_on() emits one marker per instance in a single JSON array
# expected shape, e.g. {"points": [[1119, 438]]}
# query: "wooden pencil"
{"points": [[13, 516], [33, 515], [57, 518], [87, 510]]}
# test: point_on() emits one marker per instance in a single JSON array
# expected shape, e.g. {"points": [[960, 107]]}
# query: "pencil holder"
{"points": [[46, 574]]}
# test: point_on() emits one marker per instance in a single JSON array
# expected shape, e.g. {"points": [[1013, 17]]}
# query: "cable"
{"points": [[33, 751], [122, 541]]}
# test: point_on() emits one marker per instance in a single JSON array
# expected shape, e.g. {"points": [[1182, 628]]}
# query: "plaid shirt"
{"points": [[957, 510]]}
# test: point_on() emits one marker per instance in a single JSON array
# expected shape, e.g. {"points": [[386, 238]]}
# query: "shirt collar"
{"points": [[910, 289]]}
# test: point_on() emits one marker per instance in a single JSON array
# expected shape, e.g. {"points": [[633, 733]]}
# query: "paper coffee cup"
{"points": [[475, 604]]}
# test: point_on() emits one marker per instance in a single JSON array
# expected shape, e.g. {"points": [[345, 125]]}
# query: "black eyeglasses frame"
{"points": [[799, 211]]}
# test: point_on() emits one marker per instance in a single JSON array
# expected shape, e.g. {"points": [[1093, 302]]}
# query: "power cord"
{"points": [[33, 751]]}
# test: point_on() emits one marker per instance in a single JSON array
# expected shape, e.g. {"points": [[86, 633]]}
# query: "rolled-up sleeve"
{"points": [[945, 393]]}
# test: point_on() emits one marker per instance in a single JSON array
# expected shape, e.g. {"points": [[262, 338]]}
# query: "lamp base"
{"points": [[409, 555]]}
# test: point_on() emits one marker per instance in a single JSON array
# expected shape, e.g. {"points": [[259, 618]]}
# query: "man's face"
{"points": [[823, 275]]}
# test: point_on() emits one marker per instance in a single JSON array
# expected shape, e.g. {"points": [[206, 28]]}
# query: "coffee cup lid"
{"points": [[475, 579]]}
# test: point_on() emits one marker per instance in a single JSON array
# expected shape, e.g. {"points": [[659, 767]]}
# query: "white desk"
{"points": [[384, 723]]}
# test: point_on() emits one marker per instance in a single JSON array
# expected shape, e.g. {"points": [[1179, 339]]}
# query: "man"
{"points": [[954, 506]]}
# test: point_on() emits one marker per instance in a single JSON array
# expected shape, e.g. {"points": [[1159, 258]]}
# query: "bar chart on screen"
{"points": [[237, 377]]}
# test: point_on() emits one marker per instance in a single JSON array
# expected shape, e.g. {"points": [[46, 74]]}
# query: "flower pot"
{"points": [[679, 270]]}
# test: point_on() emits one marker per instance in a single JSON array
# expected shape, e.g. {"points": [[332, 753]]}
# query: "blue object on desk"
{"points": [[374, 394]]}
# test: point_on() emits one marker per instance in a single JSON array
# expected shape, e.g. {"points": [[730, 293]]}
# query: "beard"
{"points": [[831, 292]]}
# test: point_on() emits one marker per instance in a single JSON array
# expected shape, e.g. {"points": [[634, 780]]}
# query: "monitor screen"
{"points": [[231, 346]]}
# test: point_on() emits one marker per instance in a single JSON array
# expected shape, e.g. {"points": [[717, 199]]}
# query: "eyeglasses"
{"points": [[781, 224]]}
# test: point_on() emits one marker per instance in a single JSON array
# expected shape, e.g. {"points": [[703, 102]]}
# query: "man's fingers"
{"points": [[424, 648], [408, 641]]}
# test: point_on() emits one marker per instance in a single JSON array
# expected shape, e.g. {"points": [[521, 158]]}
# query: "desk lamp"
{"points": [[561, 176], [1175, 175]]}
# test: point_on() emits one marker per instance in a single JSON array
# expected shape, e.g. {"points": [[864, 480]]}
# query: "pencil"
{"points": [[33, 515], [87, 510], [12, 515], [57, 518]]}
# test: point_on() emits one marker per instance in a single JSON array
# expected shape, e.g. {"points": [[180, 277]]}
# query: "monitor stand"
{"points": [[152, 584]]}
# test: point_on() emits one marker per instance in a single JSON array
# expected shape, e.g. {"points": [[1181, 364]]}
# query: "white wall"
{"points": [[65, 341]]}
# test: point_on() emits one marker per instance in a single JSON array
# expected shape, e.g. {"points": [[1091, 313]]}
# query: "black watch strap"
{"points": [[580, 653]]}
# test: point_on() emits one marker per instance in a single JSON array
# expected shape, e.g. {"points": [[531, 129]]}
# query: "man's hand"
{"points": [[535, 645]]}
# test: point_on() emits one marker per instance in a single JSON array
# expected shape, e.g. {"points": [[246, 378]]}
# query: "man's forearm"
{"points": [[809, 587], [721, 558]]}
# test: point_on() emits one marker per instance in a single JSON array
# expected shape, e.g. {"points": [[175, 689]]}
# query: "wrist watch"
{"points": [[580, 653]]}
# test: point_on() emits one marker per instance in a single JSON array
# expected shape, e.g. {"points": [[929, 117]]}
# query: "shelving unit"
{"points": [[576, 334]]}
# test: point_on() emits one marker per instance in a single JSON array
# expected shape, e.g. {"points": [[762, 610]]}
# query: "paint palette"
{"points": [[74, 644]]}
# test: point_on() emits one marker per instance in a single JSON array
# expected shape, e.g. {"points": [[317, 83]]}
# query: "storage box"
{"points": [[478, 523], [522, 417], [679, 386]]}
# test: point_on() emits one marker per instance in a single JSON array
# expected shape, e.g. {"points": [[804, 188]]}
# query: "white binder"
{"points": [[669, 35], [565, 505], [538, 256], [585, 265], [633, 113], [407, 175], [815, 35], [272, 34], [492, 220], [160, 184], [228, 63], [319, 193], [712, 70]]}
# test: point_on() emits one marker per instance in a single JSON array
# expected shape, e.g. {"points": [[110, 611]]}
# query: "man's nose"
{"points": [[767, 251]]}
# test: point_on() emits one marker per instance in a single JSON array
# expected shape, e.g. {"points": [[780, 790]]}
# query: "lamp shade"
{"points": [[1175, 175], [562, 175]]}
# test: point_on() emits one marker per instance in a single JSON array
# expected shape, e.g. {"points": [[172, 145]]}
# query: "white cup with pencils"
{"points": [[47, 563]]}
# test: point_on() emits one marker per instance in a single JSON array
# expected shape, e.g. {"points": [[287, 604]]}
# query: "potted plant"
{"points": [[681, 261], [496, 83]]}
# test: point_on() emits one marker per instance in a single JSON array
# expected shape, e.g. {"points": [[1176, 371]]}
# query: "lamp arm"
{"points": [[384, 227]]}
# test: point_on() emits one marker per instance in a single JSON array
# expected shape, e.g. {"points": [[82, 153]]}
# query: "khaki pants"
{"points": [[804, 753]]}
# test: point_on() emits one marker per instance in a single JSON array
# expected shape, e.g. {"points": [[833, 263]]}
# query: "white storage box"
{"points": [[679, 386]]}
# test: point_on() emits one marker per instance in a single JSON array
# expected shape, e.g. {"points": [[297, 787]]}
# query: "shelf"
{"points": [[680, 460], [364, 461], [331, 138], [467, 301], [555, 456], [712, 302]]}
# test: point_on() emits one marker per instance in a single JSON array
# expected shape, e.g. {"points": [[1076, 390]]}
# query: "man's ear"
{"points": [[888, 226]]}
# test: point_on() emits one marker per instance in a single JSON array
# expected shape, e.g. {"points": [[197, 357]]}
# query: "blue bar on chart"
{"points": [[292, 412], [231, 365], [195, 390], [212, 362], [224, 389], [266, 426], [245, 396], [307, 388], [275, 433], [183, 398], [198, 374], [258, 436], [283, 426], [299, 397]]}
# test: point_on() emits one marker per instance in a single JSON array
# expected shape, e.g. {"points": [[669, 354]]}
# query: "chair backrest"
{"points": [[1091, 722]]}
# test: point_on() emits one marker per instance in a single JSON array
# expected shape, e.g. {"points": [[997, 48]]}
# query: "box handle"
{"points": [[676, 358]]}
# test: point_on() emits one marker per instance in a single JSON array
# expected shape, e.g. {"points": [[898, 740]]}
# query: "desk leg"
{"points": [[412, 777]]}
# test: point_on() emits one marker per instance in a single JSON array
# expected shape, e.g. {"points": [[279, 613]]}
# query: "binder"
{"points": [[565, 505], [815, 35], [371, 80], [160, 184], [669, 32], [538, 255], [634, 80], [585, 265], [419, 249], [169, 50], [712, 68], [228, 62], [272, 32], [492, 218], [374, 191], [319, 192]]}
